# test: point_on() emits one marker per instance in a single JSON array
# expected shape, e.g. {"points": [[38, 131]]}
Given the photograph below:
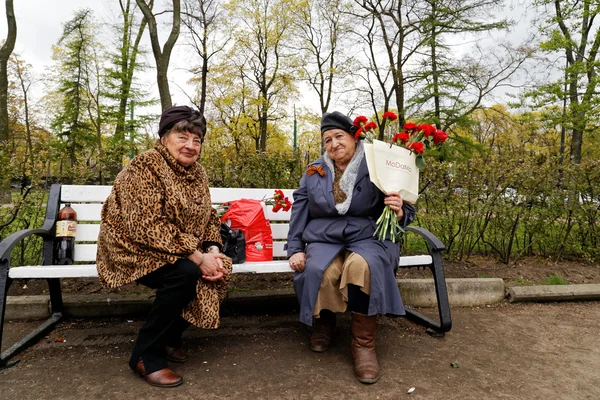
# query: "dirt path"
{"points": [[509, 351]]}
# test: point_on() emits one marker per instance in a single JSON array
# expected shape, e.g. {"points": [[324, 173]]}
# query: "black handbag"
{"points": [[234, 244]]}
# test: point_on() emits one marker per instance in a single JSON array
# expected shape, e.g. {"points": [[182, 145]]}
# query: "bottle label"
{"points": [[66, 228]]}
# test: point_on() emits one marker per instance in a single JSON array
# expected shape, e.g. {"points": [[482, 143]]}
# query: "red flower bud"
{"points": [[390, 115], [370, 125], [360, 121], [359, 133], [278, 194], [427, 130], [409, 126], [417, 147], [439, 137], [401, 136]]}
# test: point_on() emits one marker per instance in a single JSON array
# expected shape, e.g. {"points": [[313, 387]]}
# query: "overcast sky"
{"points": [[39, 25]]}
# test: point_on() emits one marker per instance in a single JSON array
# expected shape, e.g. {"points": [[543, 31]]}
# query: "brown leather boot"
{"points": [[366, 366], [322, 333], [164, 378]]}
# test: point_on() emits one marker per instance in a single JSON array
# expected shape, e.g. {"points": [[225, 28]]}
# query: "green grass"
{"points": [[483, 276], [555, 280]]}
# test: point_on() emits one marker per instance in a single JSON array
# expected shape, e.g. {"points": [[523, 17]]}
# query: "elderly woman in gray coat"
{"points": [[339, 264]]}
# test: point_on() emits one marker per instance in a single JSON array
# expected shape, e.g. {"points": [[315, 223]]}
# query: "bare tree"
{"points": [[324, 32], [398, 34], [162, 56], [200, 18], [262, 53], [25, 82]]}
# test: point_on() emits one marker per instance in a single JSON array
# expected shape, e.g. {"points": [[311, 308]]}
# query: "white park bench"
{"points": [[87, 202]]}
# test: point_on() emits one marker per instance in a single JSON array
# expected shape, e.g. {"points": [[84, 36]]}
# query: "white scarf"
{"points": [[348, 177]]}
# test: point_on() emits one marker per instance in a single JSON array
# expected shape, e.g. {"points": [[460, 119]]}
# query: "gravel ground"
{"points": [[508, 351]]}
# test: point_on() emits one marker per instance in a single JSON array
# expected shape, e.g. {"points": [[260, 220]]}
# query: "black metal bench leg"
{"points": [[435, 328], [4, 285], [56, 305]]}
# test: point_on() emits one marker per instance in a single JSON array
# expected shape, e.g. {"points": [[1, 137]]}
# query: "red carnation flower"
{"points": [[409, 126], [277, 206], [278, 195], [427, 130], [439, 137], [358, 133], [360, 121], [288, 205], [390, 115], [401, 136], [418, 147], [370, 125]]}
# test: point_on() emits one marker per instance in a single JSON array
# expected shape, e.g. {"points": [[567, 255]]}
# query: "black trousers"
{"points": [[175, 286], [358, 301]]}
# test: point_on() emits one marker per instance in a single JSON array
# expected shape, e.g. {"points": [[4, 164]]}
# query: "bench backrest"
{"points": [[87, 201]]}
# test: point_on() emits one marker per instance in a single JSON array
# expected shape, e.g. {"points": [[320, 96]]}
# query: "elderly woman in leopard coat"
{"points": [[158, 228]]}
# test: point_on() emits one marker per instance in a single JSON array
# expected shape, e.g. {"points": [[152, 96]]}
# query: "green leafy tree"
{"points": [[120, 85], [570, 30], [76, 89], [453, 88], [262, 54]]}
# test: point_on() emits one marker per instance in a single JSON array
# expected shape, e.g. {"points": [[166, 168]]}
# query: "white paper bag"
{"points": [[396, 170], [370, 158]]}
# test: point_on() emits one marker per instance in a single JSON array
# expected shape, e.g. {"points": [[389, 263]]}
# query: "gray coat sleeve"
{"points": [[298, 220]]}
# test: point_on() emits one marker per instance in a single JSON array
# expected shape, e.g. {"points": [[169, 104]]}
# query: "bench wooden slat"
{"points": [[87, 232], [87, 252], [86, 200], [222, 195], [89, 270], [54, 271], [280, 231], [84, 193], [88, 212]]}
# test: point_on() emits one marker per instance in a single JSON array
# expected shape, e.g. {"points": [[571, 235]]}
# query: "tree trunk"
{"points": [[5, 53], [434, 71], [162, 56]]}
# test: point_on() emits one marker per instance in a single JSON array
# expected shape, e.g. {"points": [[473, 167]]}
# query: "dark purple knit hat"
{"points": [[175, 114]]}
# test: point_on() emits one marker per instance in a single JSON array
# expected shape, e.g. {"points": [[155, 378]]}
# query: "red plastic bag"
{"points": [[247, 215]]}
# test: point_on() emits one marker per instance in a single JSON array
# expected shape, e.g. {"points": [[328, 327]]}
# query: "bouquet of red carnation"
{"points": [[278, 201], [418, 138], [396, 168]]}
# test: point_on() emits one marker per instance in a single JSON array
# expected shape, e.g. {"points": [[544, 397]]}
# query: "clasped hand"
{"points": [[210, 264], [395, 202]]}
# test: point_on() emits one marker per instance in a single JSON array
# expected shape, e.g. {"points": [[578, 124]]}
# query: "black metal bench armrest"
{"points": [[7, 244], [46, 231], [435, 244]]}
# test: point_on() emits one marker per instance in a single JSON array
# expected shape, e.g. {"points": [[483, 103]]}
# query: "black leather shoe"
{"points": [[177, 355]]}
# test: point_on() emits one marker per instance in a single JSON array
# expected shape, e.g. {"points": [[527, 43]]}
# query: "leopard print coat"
{"points": [[159, 211]]}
